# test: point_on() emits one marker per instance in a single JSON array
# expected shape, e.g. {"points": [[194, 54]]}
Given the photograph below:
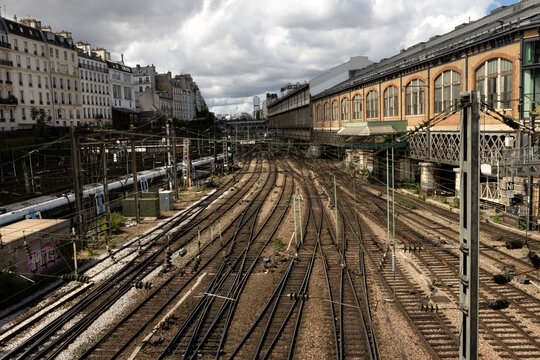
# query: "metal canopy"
{"points": [[368, 131]]}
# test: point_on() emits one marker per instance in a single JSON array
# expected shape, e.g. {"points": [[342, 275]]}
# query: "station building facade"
{"points": [[498, 56]]}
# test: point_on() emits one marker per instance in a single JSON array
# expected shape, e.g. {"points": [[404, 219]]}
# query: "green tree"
{"points": [[39, 116]]}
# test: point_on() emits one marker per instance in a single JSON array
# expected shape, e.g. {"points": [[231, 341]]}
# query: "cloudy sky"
{"points": [[236, 49]]}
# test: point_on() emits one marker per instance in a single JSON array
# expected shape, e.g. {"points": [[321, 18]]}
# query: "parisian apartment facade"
{"points": [[49, 79]]}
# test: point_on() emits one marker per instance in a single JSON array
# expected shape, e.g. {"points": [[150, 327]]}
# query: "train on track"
{"points": [[55, 206]]}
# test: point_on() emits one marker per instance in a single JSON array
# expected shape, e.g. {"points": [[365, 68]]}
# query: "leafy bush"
{"points": [[522, 225], [422, 197], [117, 220], [497, 219], [443, 200], [278, 243], [456, 203]]}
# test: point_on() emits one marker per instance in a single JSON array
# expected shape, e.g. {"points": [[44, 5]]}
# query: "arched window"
{"points": [[334, 111], [391, 101], [326, 112], [345, 109], [494, 83], [319, 117], [447, 86], [357, 107], [415, 97], [372, 105]]}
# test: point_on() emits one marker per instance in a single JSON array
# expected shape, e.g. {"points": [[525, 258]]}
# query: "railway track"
{"points": [[52, 338], [505, 329]]}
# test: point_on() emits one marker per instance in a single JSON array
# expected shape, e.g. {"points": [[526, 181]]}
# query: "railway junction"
{"points": [[391, 215]]}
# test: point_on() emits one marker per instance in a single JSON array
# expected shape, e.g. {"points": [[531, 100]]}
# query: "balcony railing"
{"points": [[93, 67], [8, 101], [6, 62], [5, 44]]}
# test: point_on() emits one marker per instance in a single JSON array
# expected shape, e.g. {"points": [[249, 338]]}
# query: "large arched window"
{"points": [[494, 83], [357, 107], [345, 109], [391, 101], [372, 105], [447, 86], [319, 115], [415, 97], [326, 112], [334, 111]]}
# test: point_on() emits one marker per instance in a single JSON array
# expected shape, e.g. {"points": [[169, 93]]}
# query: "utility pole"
{"points": [[186, 163], [76, 166], [215, 145], [336, 209], [530, 190], [134, 168], [300, 220], [169, 155], [175, 163], [105, 181], [468, 273], [225, 155]]}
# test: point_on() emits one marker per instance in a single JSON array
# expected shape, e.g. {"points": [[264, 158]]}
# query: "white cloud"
{"points": [[235, 49]]}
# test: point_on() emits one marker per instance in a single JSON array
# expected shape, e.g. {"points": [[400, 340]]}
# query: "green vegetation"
{"points": [[410, 184], [497, 219], [422, 197], [117, 221], [443, 200], [406, 203], [522, 225], [455, 203], [278, 243], [497, 237]]}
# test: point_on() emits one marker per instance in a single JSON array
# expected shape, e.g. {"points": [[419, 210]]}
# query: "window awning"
{"points": [[368, 131]]}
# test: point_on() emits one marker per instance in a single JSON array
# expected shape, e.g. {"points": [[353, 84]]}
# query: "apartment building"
{"points": [[95, 92], [122, 96], [64, 78], [24, 75], [143, 77], [172, 86]]}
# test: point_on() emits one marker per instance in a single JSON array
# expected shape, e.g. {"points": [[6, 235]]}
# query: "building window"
{"points": [[357, 107], [447, 87], [326, 112], [531, 90], [415, 97], [18, 60], [345, 109], [391, 101], [117, 91], [127, 92], [334, 111], [372, 105], [494, 83], [319, 114]]}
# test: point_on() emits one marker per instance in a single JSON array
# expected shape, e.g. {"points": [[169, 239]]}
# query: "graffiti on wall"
{"points": [[41, 259]]}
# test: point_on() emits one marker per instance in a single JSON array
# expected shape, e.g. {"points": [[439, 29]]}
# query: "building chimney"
{"points": [[15, 18]]}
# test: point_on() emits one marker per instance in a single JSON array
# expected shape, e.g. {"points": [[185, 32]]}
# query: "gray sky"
{"points": [[235, 49]]}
